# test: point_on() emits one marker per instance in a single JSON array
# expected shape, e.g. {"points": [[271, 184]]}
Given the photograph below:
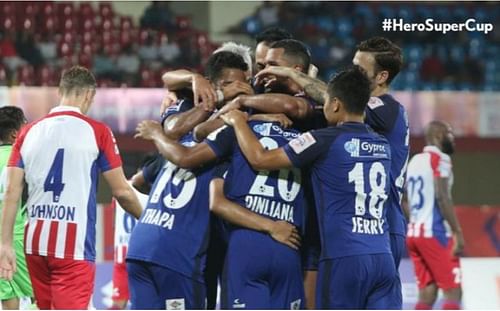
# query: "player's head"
{"points": [[347, 94], [78, 87], [440, 134], [240, 49], [380, 58], [225, 67], [264, 41], [289, 53], [11, 120]]}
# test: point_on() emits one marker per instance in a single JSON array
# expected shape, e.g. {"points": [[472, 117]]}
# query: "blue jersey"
{"points": [[276, 194], [350, 167], [388, 118], [173, 230]]}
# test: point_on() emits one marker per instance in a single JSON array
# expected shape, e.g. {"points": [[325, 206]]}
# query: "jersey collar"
{"points": [[432, 148], [64, 108]]}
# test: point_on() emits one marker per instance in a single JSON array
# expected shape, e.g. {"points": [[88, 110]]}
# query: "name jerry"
{"points": [[52, 211], [269, 208], [367, 226], [158, 218]]}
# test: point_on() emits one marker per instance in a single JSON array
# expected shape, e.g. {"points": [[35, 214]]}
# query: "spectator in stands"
{"points": [[268, 14], [128, 64], [9, 53], [432, 68], [48, 47], [148, 51], [27, 49], [104, 66], [158, 16], [169, 50]]}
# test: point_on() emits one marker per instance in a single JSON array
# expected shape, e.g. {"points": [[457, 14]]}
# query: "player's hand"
{"points": [[235, 116], [270, 74], [7, 262], [285, 233], [169, 100], [458, 245], [273, 117], [235, 104], [148, 130], [313, 71], [236, 88], [204, 93]]}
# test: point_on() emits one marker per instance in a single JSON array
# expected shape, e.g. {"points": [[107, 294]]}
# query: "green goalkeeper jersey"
{"points": [[21, 212]]}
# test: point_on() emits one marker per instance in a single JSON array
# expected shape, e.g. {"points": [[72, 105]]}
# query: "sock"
{"points": [[451, 305], [422, 306]]}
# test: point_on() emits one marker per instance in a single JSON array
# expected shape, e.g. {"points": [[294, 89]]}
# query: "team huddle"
{"points": [[280, 189]]}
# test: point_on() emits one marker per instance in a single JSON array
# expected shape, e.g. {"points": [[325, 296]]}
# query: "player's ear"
{"points": [[382, 77], [336, 104]]}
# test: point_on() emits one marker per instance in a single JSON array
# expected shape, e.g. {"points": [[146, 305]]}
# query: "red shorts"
{"points": [[434, 263], [61, 283], [120, 282]]}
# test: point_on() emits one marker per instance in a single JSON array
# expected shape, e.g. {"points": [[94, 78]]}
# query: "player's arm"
{"points": [[13, 193], [281, 231], [443, 197], [180, 124], [314, 88], [292, 106], [184, 157], [202, 89], [122, 191], [202, 130], [405, 206], [258, 157], [139, 182]]}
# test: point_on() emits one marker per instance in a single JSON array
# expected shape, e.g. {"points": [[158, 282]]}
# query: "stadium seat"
{"points": [[66, 9], [126, 23], [183, 22], [86, 10], [148, 78], [46, 76], [26, 75], [105, 10]]}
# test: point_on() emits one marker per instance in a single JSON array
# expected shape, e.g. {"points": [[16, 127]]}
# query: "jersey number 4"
{"points": [[53, 183], [378, 196]]}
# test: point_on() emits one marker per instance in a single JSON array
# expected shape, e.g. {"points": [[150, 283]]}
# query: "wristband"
{"points": [[220, 96]]}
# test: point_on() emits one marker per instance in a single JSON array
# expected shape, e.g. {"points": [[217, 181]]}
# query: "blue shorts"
{"points": [[398, 247], [153, 287], [357, 282], [260, 273]]}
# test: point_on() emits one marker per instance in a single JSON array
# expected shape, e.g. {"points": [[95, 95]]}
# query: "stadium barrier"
{"points": [[469, 113]]}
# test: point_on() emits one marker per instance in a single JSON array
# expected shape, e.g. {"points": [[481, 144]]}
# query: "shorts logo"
{"points": [[352, 147], [295, 305], [238, 305], [302, 142], [263, 129], [175, 304]]}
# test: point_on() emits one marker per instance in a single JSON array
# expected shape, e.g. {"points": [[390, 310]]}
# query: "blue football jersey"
{"points": [[350, 168], [173, 230], [388, 118], [274, 194]]}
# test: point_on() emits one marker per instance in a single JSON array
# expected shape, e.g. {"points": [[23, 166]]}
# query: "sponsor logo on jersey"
{"points": [[263, 129], [175, 304], [238, 305], [352, 147], [286, 134], [302, 142]]}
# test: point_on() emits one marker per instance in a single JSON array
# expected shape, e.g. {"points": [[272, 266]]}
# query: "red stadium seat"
{"points": [[148, 78], [9, 23], [65, 49], [107, 24], [126, 23], [26, 75], [88, 24], [87, 38], [46, 76], [85, 60], [183, 22], [28, 23], [49, 24], [48, 8], [87, 49], [86, 10], [66, 9]]}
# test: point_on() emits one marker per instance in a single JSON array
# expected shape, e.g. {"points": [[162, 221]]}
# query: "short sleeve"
{"points": [[305, 149], [222, 141], [182, 105], [109, 155], [220, 170], [381, 116], [441, 165], [151, 169]]}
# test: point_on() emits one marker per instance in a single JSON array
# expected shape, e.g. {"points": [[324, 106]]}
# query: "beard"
{"points": [[448, 147]]}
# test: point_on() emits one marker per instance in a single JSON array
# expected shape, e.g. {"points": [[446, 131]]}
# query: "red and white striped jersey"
{"points": [[124, 224], [61, 155], [426, 219]]}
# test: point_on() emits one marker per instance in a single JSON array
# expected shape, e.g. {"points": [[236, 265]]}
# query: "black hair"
{"points": [[11, 119], [223, 60], [352, 87], [388, 56], [272, 34], [295, 49]]}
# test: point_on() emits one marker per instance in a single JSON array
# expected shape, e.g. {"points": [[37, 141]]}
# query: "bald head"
{"points": [[439, 134]]}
